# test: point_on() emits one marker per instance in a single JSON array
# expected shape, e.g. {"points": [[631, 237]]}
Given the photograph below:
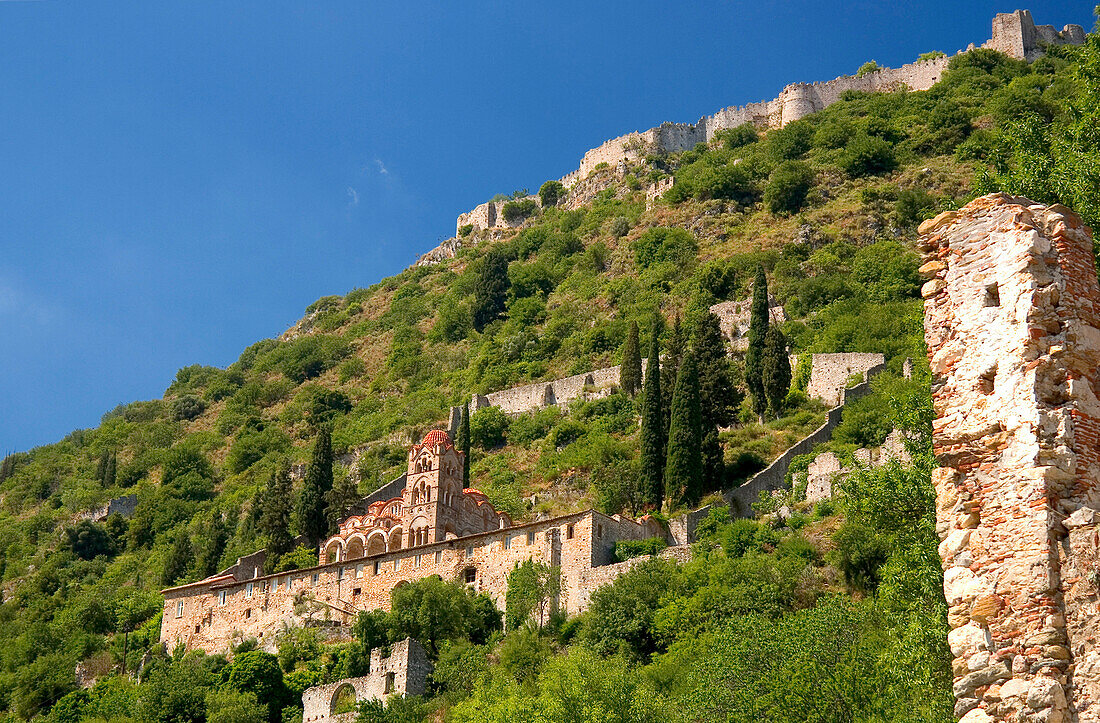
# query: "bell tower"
{"points": [[433, 488]]}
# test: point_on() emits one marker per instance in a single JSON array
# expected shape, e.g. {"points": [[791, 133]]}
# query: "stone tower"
{"points": [[433, 489], [1012, 322]]}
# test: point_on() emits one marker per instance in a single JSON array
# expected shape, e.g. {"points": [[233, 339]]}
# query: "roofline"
{"points": [[419, 549]]}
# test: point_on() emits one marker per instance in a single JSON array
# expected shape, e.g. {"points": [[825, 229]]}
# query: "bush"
{"points": [[628, 549], [567, 432], [867, 68], [465, 230], [787, 187], [662, 244], [187, 407], [789, 142], [866, 155], [742, 135], [517, 211], [550, 193], [488, 427]]}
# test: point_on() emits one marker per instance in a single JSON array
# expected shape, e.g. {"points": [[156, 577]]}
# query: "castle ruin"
{"points": [[1015, 34], [1012, 323]]}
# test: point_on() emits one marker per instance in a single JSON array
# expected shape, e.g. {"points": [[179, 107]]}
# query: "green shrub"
{"points": [[517, 211], [567, 432], [867, 68], [787, 187], [789, 142], [661, 244], [550, 193], [866, 155], [465, 230], [733, 138], [628, 549], [488, 427]]}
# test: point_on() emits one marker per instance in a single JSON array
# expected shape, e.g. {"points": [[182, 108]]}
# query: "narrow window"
{"points": [[196, 628], [265, 585], [316, 577], [179, 609], [389, 682], [469, 550], [438, 557], [530, 538], [507, 542], [397, 564], [221, 598], [569, 532], [248, 591], [469, 575], [377, 567], [417, 561], [599, 531], [992, 295], [247, 613]]}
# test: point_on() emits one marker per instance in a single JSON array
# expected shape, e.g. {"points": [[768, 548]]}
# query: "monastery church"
{"points": [[437, 526]]}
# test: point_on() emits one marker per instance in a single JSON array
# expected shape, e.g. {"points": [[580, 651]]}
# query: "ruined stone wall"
{"points": [[596, 577], [546, 394], [1017, 35], [404, 672], [211, 614], [1012, 323], [830, 372], [734, 318]]}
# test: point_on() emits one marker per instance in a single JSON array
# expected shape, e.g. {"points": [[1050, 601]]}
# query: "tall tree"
{"points": [[684, 469], [777, 369], [274, 520], [342, 496], [178, 560], [214, 546], [719, 397], [312, 520], [758, 329], [490, 289], [101, 468], [670, 367], [653, 425], [110, 472], [463, 441], [630, 371]]}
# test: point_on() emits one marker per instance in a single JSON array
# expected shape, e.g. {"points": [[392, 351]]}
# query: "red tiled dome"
{"points": [[436, 436]]}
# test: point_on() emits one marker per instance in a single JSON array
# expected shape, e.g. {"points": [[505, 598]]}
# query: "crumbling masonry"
{"points": [[1012, 322]]}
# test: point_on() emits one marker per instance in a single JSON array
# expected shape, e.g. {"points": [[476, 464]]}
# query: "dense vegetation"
{"points": [[832, 613]]}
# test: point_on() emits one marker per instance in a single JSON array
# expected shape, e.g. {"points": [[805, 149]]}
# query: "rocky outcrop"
{"points": [[1012, 323]]}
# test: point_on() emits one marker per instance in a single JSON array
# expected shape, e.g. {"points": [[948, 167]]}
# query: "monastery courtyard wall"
{"points": [[211, 614]]}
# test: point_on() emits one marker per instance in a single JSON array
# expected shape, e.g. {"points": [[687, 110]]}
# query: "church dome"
{"points": [[436, 436]]}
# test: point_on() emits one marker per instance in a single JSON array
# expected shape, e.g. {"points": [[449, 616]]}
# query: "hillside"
{"points": [[828, 206]]}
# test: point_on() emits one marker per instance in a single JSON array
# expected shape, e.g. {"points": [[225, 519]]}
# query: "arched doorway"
{"points": [[343, 700]]}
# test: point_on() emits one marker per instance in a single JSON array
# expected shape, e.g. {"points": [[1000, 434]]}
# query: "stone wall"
{"points": [[830, 373], [212, 613], [1012, 33], [404, 672], [1012, 324], [734, 318], [546, 394]]}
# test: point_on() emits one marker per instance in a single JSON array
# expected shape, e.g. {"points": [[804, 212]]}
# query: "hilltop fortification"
{"points": [[1014, 34]]}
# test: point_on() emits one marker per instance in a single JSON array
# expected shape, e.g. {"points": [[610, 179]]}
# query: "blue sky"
{"points": [[181, 179]]}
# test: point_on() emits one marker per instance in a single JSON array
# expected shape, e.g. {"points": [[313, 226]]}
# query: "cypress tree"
{"points": [[111, 470], [630, 371], [339, 499], [777, 369], [758, 329], [684, 469], [7, 467], [653, 426], [212, 552], [670, 367], [274, 518], [179, 559], [101, 468], [312, 520], [463, 440], [490, 289], [719, 396]]}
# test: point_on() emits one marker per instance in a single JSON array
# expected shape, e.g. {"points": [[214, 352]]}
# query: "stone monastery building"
{"points": [[436, 527], [433, 507]]}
